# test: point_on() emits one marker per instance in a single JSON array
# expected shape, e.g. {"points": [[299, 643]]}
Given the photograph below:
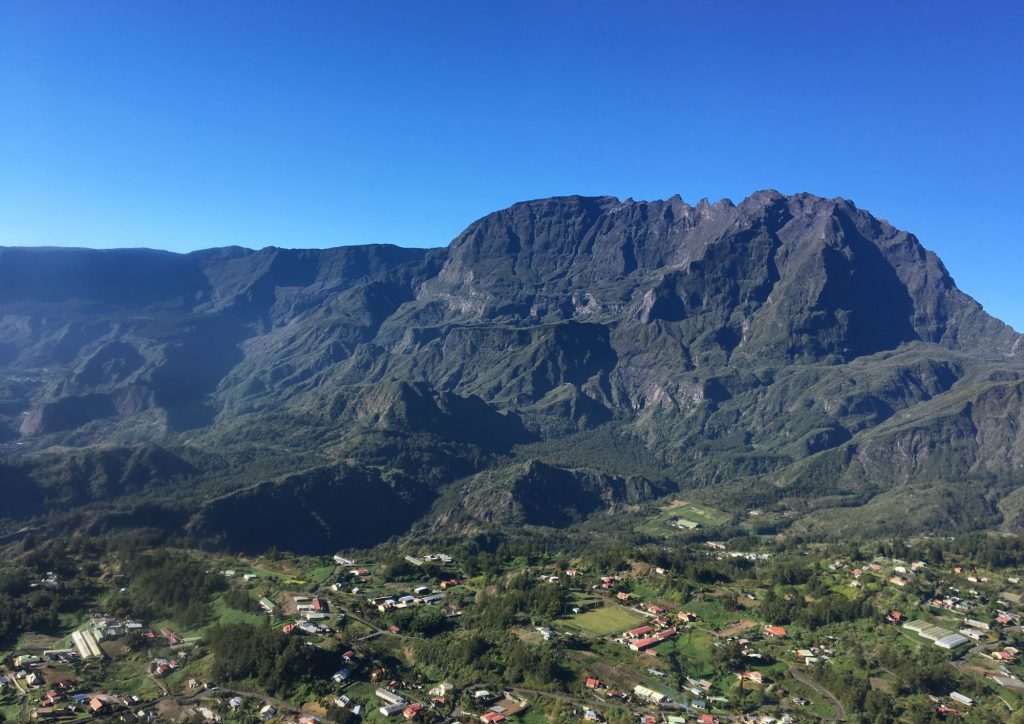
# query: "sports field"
{"points": [[703, 516], [607, 620]]}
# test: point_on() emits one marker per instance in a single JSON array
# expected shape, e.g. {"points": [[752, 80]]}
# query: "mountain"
{"points": [[791, 353]]}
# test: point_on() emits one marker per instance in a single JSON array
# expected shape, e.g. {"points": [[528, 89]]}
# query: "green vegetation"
{"points": [[511, 626], [698, 515], [607, 620], [165, 584], [273, 661]]}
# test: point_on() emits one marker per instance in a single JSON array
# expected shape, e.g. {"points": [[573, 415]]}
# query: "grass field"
{"points": [[607, 620], [705, 517], [712, 614], [695, 649], [224, 614], [320, 574]]}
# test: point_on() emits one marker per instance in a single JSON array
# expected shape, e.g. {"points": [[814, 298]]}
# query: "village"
{"points": [[730, 633]]}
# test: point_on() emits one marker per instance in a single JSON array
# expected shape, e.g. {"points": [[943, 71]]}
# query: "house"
{"points": [[359, 572], [643, 643], [645, 694], [894, 616], [447, 583], [442, 690], [686, 616], [756, 676], [708, 719], [97, 706], [267, 605], [320, 605], [637, 632], [898, 581], [391, 709], [492, 717], [774, 631], [656, 610], [623, 596], [289, 628], [593, 683], [235, 702], [412, 711]]}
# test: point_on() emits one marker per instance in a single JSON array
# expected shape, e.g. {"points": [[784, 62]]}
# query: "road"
{"points": [[820, 690]]}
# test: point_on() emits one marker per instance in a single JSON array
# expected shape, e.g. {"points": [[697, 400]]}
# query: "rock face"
{"points": [[785, 350]]}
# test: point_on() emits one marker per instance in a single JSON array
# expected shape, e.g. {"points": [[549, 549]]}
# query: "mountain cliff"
{"points": [[789, 352]]}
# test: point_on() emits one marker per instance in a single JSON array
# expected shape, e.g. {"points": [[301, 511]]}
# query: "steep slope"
{"points": [[785, 351]]}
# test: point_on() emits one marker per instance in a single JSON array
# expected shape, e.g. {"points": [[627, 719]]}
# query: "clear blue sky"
{"points": [[183, 125]]}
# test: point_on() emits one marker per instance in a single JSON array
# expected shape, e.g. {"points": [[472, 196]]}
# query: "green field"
{"points": [[607, 620], [695, 649], [319, 574], [705, 517]]}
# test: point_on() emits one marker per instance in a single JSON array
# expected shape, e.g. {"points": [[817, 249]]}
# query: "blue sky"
{"points": [[185, 125]]}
